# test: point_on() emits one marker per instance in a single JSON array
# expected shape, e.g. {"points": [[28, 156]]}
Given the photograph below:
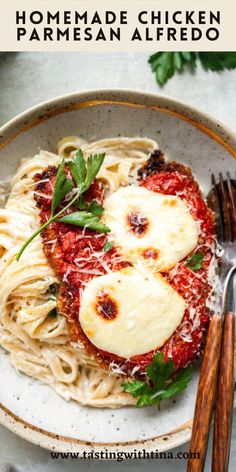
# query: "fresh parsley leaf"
{"points": [[99, 227], [59, 194], [84, 219], [178, 61], [196, 261], [60, 172], [144, 400], [83, 175], [76, 217], [161, 382], [107, 246], [81, 203], [61, 188], [83, 172], [137, 388], [165, 64], [78, 169], [218, 61], [93, 166], [95, 208], [180, 383], [159, 371]]}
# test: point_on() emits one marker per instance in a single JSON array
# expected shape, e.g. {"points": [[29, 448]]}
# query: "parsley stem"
{"points": [[47, 223], [68, 205], [83, 177], [156, 394], [32, 237]]}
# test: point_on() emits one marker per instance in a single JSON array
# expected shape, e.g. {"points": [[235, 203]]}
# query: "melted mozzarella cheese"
{"points": [[130, 312], [154, 227]]}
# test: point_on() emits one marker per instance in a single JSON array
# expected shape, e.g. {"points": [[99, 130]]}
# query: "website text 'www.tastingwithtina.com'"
{"points": [[119, 456]]}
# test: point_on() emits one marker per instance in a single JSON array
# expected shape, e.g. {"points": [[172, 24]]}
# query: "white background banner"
{"points": [[111, 25]]}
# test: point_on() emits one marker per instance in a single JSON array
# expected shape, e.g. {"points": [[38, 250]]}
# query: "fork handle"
{"points": [[205, 397], [224, 398]]}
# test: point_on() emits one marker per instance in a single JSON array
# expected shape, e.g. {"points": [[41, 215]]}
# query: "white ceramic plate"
{"points": [[31, 409]]}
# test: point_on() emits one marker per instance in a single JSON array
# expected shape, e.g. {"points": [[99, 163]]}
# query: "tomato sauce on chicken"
{"points": [[77, 255]]}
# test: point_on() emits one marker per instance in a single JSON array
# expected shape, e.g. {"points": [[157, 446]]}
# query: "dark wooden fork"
{"points": [[218, 359]]}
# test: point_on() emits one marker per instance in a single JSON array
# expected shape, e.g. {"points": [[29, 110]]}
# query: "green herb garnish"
{"points": [[218, 61], [161, 382], [95, 208], [53, 290], [196, 261], [78, 169], [61, 188], [81, 203], [83, 174], [84, 219], [166, 64], [107, 246], [93, 166]]}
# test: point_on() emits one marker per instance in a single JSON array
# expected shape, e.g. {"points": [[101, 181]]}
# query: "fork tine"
{"points": [[216, 207], [228, 236], [232, 204]]}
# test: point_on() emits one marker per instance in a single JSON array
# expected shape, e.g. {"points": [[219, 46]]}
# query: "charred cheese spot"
{"points": [[106, 307], [137, 223], [162, 223], [150, 253]]}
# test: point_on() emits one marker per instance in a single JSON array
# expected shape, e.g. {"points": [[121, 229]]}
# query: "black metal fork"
{"points": [[217, 370], [225, 197]]}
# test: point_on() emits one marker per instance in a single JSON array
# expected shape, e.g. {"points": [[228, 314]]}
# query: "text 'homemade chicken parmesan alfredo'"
{"points": [[107, 265]]}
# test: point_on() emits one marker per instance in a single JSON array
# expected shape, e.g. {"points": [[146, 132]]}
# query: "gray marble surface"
{"points": [[27, 79]]}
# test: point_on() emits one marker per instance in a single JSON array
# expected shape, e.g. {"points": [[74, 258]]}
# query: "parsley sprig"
{"points": [[161, 382], [83, 174], [84, 219], [108, 246], [166, 64], [196, 261]]}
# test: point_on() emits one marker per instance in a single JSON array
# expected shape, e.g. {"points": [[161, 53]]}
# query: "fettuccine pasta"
{"points": [[38, 342]]}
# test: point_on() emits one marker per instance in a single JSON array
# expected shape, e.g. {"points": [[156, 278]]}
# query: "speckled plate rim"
{"points": [[62, 104], [131, 98]]}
